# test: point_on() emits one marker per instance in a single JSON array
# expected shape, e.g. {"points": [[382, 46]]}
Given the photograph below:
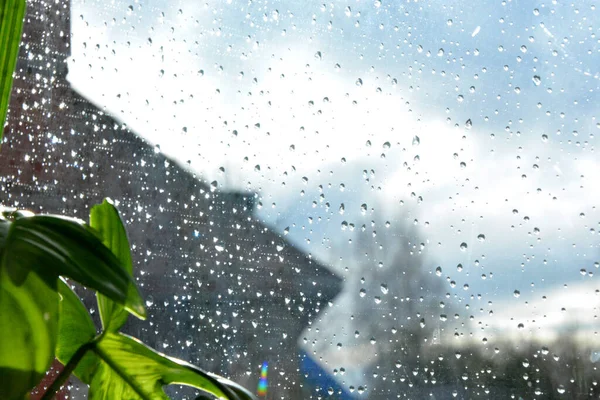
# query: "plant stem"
{"points": [[67, 370]]}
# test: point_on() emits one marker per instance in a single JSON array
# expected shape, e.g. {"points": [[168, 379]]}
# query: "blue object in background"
{"points": [[315, 377]]}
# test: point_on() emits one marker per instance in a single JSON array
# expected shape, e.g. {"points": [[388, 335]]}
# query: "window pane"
{"points": [[378, 199]]}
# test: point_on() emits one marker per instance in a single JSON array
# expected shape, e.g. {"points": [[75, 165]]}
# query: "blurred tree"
{"points": [[397, 301]]}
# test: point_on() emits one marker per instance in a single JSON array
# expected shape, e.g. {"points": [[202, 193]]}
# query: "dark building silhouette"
{"points": [[223, 290]]}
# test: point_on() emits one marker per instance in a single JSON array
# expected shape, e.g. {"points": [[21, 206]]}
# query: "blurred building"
{"points": [[223, 290]]}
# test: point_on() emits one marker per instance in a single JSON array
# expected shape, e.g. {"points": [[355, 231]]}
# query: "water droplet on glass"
{"points": [[463, 246], [537, 80]]}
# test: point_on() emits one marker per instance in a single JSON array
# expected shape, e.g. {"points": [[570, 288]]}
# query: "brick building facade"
{"points": [[224, 291]]}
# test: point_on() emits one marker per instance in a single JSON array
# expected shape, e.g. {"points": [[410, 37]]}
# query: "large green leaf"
{"points": [[53, 246], [132, 371], [28, 328], [75, 329], [12, 13], [104, 218]]}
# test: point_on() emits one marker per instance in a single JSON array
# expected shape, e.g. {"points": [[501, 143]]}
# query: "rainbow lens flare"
{"points": [[262, 382]]}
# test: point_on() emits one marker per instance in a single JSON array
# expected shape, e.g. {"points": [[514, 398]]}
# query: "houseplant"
{"points": [[42, 318]]}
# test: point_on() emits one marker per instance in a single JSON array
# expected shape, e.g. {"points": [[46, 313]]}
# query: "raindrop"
{"points": [[416, 141], [537, 80], [359, 82], [481, 237], [463, 246]]}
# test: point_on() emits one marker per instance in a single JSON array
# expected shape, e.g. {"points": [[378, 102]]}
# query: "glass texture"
{"points": [[378, 199]]}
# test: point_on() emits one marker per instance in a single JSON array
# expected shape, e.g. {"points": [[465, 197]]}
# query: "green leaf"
{"points": [[12, 13], [53, 246], [28, 328], [105, 219], [75, 328], [131, 371]]}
